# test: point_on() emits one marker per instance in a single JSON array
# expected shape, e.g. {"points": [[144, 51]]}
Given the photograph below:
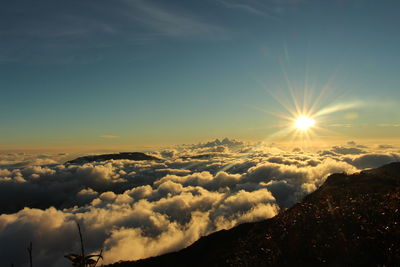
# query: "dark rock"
{"points": [[122, 155]]}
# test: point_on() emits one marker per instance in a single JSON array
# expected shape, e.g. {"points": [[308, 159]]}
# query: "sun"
{"points": [[304, 123]]}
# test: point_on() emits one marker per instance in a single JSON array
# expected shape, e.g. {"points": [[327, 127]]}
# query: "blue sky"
{"points": [[76, 73]]}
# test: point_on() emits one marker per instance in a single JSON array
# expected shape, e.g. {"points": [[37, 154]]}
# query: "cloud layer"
{"points": [[138, 209]]}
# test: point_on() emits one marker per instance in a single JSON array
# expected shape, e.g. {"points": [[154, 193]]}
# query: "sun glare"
{"points": [[307, 112], [304, 123]]}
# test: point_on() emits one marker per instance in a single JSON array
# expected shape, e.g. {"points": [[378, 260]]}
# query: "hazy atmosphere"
{"points": [[243, 108]]}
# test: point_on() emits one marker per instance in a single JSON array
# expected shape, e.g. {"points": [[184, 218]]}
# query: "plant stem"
{"points": [[30, 254], [98, 258], [82, 248]]}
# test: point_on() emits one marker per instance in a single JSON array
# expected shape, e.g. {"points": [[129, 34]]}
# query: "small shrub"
{"points": [[82, 260]]}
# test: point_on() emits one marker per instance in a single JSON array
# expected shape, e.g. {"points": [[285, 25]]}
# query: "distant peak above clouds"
{"points": [[103, 157], [225, 142]]}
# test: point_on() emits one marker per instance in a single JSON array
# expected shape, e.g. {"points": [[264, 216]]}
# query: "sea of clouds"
{"points": [[137, 209]]}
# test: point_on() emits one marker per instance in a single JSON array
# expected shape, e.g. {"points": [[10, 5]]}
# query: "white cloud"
{"points": [[347, 150], [373, 160], [137, 209]]}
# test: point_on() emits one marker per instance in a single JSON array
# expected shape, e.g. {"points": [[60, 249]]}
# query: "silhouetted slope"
{"points": [[122, 155], [351, 220]]}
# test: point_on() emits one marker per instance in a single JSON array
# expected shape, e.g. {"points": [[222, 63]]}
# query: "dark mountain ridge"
{"points": [[351, 220], [121, 155]]}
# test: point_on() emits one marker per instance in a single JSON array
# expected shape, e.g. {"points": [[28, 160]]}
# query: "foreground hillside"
{"points": [[351, 220]]}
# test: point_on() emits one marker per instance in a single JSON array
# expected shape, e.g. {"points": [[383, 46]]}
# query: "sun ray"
{"points": [[286, 106], [306, 117], [338, 107], [291, 89]]}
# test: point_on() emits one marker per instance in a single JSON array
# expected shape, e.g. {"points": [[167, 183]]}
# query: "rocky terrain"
{"points": [[351, 220]]}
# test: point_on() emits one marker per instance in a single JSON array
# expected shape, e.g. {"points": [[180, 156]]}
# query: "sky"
{"points": [[165, 77], [136, 74]]}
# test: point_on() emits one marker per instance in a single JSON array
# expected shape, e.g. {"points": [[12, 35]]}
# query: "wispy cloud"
{"points": [[343, 125], [64, 30], [173, 23], [270, 8], [389, 125], [243, 7]]}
